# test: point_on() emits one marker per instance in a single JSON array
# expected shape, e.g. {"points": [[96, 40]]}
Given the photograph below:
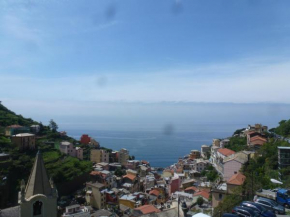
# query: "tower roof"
{"points": [[38, 182]]}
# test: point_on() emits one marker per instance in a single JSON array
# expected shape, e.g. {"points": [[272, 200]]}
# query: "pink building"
{"points": [[79, 153], [132, 164], [174, 184], [67, 148], [85, 139], [231, 167]]}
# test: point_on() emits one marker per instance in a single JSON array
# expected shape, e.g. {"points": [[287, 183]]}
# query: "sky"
{"points": [[110, 58]]}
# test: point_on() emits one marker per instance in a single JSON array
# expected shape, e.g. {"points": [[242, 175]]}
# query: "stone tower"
{"points": [[39, 197]]}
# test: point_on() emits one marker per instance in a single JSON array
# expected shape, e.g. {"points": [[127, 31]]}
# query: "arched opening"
{"points": [[37, 206]]}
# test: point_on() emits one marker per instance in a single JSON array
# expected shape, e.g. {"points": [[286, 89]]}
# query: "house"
{"points": [[205, 150], [203, 194], [94, 144], [69, 149], [194, 154], [35, 128], [123, 156], [79, 153], [130, 182], [24, 141], [236, 180], [99, 155], [191, 190], [132, 164], [146, 209], [174, 184], [16, 129], [114, 156], [200, 165], [259, 128], [129, 201], [85, 139], [233, 164], [94, 195], [223, 189], [76, 211], [256, 141], [283, 157]]}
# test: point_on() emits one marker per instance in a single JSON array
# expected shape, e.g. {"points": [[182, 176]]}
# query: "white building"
{"points": [[76, 211]]}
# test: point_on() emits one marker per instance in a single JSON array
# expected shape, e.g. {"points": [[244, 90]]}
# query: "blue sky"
{"points": [[144, 51]]}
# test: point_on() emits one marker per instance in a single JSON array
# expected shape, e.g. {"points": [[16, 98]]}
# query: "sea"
{"points": [[160, 148]]}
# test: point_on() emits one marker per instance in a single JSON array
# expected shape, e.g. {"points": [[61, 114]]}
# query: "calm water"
{"points": [[158, 148]]}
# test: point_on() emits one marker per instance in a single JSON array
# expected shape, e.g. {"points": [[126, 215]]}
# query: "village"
{"points": [[120, 185]]}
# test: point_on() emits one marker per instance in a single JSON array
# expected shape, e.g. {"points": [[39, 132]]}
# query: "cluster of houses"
{"points": [[120, 185]]}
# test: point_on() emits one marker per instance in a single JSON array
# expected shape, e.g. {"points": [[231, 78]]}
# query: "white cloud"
{"points": [[240, 82]]}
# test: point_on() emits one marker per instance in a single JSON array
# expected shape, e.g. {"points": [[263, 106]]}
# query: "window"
{"points": [[37, 208], [220, 196]]}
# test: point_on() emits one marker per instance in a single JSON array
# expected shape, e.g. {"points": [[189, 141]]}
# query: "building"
{"points": [[94, 195], [79, 153], [85, 139], [194, 154], [94, 143], [35, 128], [99, 155], [39, 196], [144, 210], [200, 165], [16, 129], [233, 164], [283, 157], [223, 189], [69, 149], [259, 128], [76, 211], [205, 150], [24, 141], [123, 156]]}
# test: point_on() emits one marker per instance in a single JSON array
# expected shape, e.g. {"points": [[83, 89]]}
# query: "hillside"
{"points": [[62, 168]]}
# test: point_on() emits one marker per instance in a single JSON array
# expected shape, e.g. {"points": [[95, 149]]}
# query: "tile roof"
{"points": [[95, 173], [254, 138], [191, 188], [14, 126], [154, 192], [10, 212], [202, 193], [226, 152], [146, 209], [129, 176], [237, 179]]}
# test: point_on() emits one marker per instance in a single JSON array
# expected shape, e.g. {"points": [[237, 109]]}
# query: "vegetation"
{"points": [[210, 173], [283, 129], [237, 132], [120, 172], [237, 144], [258, 172], [199, 201], [60, 167]]}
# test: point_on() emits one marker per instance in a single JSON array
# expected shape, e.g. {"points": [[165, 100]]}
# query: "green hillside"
{"points": [[62, 168]]}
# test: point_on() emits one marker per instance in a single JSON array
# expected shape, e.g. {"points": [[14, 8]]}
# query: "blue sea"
{"points": [[160, 148]]}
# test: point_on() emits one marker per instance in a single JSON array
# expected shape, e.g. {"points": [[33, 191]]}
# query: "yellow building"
{"points": [[123, 156], [24, 141], [99, 155], [94, 196]]}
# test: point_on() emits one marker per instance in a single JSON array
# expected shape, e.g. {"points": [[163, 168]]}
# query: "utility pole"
{"points": [[178, 201]]}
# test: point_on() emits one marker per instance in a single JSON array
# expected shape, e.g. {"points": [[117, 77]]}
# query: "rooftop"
{"points": [[237, 179], [23, 135], [202, 193], [146, 209], [226, 152]]}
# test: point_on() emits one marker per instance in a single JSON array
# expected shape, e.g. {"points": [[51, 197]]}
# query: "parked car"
{"points": [[245, 212], [271, 204], [229, 215], [259, 208]]}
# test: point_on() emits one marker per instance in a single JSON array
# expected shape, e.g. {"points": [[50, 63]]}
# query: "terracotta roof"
{"points": [[226, 152], [237, 179], [202, 193], [144, 162], [14, 126], [129, 176], [258, 138], [191, 188], [146, 209], [154, 192], [94, 173]]}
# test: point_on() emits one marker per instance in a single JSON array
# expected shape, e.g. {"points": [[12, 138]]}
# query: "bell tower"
{"points": [[39, 197]]}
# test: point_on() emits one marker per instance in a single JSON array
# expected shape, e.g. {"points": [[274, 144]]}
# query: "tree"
{"points": [[53, 126], [199, 201]]}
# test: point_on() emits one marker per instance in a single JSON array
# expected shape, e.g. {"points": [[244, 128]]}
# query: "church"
{"points": [[38, 198]]}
